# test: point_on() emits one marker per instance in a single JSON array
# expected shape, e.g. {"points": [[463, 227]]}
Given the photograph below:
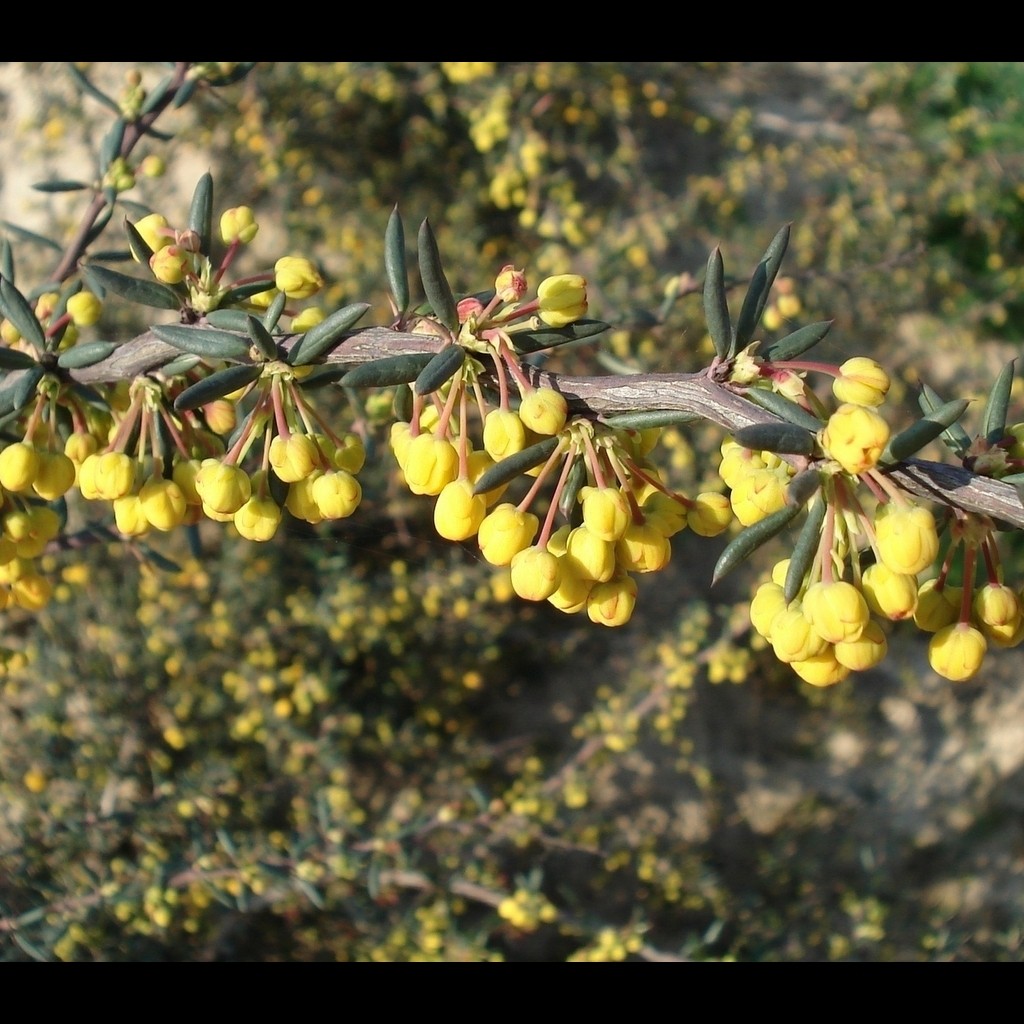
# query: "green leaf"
{"points": [[16, 308], [182, 364], [217, 385], [716, 306], [136, 243], [570, 492], [228, 319], [86, 354], [746, 543], [383, 373], [435, 284], [910, 441], [24, 389], [241, 292], [110, 147], [60, 185], [803, 486], [261, 338], [993, 419], [441, 368], [156, 96], [89, 89], [6, 260], [402, 404], [12, 359], [954, 437], [31, 236], [328, 373], [548, 337], [760, 285], [797, 343], [327, 335], [781, 438], [100, 223], [516, 465], [804, 550], [184, 93], [395, 263], [145, 293], [784, 408], [204, 341], [200, 215], [274, 311], [649, 418]]}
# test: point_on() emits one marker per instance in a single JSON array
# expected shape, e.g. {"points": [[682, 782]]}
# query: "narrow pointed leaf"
{"points": [[24, 389], [395, 262], [241, 292], [435, 284], [993, 419], [60, 185], [760, 285], [797, 343], [274, 311], [139, 246], [154, 98], [716, 306], [184, 93], [110, 147], [16, 308], [910, 441], [145, 293], [781, 438], [441, 368], [803, 486], [549, 337], [516, 465], [261, 338], [325, 336], [111, 256], [161, 562], [954, 437], [99, 225], [402, 403], [217, 385], [6, 260], [383, 373], [200, 215], [86, 354], [747, 542], [12, 359], [649, 418], [181, 365], [89, 89], [328, 373], [228, 319], [804, 550], [204, 341], [31, 236], [747, 322], [570, 492], [783, 408]]}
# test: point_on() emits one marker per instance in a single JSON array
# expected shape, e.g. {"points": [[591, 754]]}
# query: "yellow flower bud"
{"points": [[336, 494], [536, 573], [573, 587], [563, 299], [297, 277], [758, 494], [84, 309], [710, 515], [837, 611], [224, 489], [793, 636], [866, 651], [957, 651], [238, 225], [300, 501], [129, 516], [294, 457], [936, 608], [155, 232], [115, 475], [163, 503], [309, 317], [543, 411], [594, 556], [888, 593], [431, 462], [257, 519], [504, 434], [19, 464], [350, 453], [861, 381], [458, 512], [31, 592], [642, 548], [612, 603], [606, 512], [55, 475], [906, 536], [821, 669], [170, 264], [504, 532], [855, 437], [768, 601]]}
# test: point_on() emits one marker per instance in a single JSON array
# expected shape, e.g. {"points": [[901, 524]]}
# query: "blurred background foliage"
{"points": [[355, 743]]}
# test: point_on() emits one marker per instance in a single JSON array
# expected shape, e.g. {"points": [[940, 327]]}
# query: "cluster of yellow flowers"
{"points": [[862, 555], [619, 514]]}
